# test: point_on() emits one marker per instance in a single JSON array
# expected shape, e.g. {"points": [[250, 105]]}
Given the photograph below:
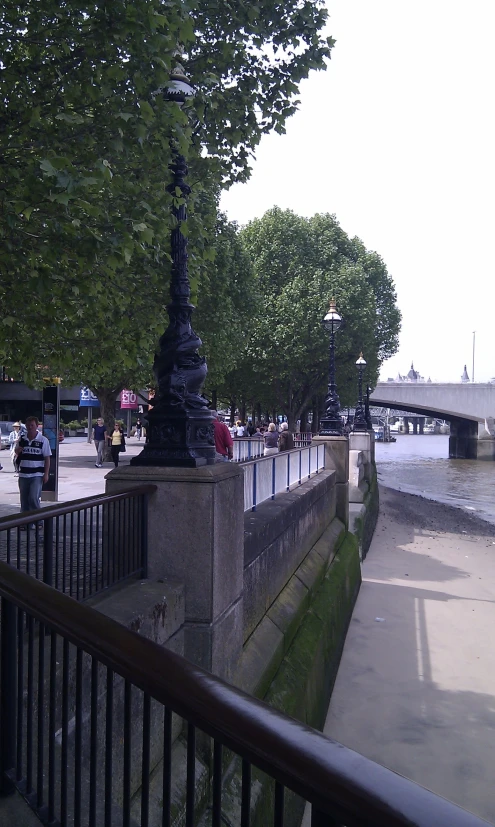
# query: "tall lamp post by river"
{"points": [[331, 422], [367, 413], [360, 423], [180, 425]]}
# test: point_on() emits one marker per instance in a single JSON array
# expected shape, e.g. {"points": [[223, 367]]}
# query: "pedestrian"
{"points": [[286, 442], [251, 430], [139, 429], [34, 455], [99, 435], [224, 444], [13, 440], [117, 443], [240, 428], [258, 434], [271, 440]]}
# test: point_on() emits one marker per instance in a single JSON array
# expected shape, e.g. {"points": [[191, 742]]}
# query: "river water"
{"points": [[420, 465]]}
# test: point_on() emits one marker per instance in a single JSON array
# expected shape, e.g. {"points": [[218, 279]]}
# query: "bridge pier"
{"points": [[468, 440]]}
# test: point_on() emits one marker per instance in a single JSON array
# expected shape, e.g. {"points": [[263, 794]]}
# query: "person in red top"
{"points": [[224, 449]]}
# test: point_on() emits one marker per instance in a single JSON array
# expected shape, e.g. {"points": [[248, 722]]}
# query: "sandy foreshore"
{"points": [[416, 686]]}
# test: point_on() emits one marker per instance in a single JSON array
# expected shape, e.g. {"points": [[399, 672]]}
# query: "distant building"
{"points": [[411, 376], [465, 377]]}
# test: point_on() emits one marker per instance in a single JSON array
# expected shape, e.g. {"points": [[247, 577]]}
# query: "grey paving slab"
{"points": [[78, 476]]}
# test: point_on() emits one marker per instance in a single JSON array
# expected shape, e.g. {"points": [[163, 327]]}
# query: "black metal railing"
{"points": [[89, 736], [84, 546]]}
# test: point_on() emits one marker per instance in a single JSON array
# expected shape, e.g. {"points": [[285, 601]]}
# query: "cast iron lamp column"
{"points": [[360, 423], [367, 413], [180, 425], [331, 422]]}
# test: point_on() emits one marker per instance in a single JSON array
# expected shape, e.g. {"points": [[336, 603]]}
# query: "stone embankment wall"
{"points": [[264, 598]]}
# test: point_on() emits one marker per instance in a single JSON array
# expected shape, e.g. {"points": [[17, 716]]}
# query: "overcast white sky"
{"points": [[397, 138]]}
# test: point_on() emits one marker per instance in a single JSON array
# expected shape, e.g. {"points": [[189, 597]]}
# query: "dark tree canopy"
{"points": [[85, 147]]}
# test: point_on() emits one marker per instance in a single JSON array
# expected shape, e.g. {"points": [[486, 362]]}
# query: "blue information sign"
{"points": [[87, 399]]}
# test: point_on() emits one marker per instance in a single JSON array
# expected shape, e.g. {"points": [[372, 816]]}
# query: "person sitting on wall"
{"points": [[271, 440]]}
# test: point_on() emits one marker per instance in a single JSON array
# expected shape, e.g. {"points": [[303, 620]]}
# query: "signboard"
{"points": [[129, 400], [50, 419], [87, 399]]}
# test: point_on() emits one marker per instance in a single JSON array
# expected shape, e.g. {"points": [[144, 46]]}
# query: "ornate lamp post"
{"points": [[180, 426], [331, 422], [367, 414], [360, 416]]}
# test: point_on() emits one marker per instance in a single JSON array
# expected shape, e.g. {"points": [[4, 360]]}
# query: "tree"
{"points": [[84, 152], [301, 263]]}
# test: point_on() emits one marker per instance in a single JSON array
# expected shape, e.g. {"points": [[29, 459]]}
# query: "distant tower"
{"points": [[465, 377], [413, 375]]}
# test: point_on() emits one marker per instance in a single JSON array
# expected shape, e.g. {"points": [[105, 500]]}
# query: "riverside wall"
{"points": [[278, 627]]}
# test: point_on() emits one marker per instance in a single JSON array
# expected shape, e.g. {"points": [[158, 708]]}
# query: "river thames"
{"points": [[420, 465]]}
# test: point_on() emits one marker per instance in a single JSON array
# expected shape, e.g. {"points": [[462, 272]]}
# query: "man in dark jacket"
{"points": [[286, 441]]}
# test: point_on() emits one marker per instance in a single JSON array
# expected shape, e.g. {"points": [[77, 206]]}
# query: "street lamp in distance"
{"points": [[331, 422], [180, 425], [360, 423]]}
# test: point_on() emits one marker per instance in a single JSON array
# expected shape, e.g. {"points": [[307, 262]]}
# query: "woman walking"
{"points": [[13, 440], [271, 440], [117, 443]]}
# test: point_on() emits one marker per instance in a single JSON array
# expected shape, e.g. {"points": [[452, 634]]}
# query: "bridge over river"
{"points": [[470, 409]]}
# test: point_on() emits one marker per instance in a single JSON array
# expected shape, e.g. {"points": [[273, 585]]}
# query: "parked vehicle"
{"points": [[5, 429]]}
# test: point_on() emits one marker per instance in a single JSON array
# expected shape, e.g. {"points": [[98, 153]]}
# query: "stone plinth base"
{"points": [[337, 459], [196, 536]]}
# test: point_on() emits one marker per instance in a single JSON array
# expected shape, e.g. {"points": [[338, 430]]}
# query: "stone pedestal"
{"points": [[337, 459], [362, 441], [196, 536]]}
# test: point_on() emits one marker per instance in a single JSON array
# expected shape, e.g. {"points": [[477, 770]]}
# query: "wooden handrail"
{"points": [[15, 520], [323, 771]]}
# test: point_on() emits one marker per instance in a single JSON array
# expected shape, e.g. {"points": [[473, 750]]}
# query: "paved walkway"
{"points": [[416, 686], [78, 476]]}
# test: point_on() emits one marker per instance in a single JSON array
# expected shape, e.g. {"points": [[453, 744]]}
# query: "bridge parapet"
{"points": [[475, 402], [470, 409]]}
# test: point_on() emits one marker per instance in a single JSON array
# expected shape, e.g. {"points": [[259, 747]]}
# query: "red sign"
{"points": [[129, 400]]}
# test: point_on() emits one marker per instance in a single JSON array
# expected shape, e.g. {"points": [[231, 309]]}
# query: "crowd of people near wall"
{"points": [[276, 436]]}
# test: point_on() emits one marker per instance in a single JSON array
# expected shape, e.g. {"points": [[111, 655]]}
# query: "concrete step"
{"points": [[14, 812]]}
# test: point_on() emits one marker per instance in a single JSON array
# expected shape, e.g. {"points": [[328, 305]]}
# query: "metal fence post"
{"points": [[255, 468], [144, 535], [48, 552], [8, 694], [273, 478]]}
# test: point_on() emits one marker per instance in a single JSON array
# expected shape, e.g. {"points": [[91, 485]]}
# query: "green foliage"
{"points": [[85, 144], [300, 264]]}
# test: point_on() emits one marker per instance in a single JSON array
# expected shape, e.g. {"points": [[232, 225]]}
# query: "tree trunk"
{"points": [[106, 398], [258, 410], [214, 399], [304, 421], [232, 410], [315, 426], [243, 411]]}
